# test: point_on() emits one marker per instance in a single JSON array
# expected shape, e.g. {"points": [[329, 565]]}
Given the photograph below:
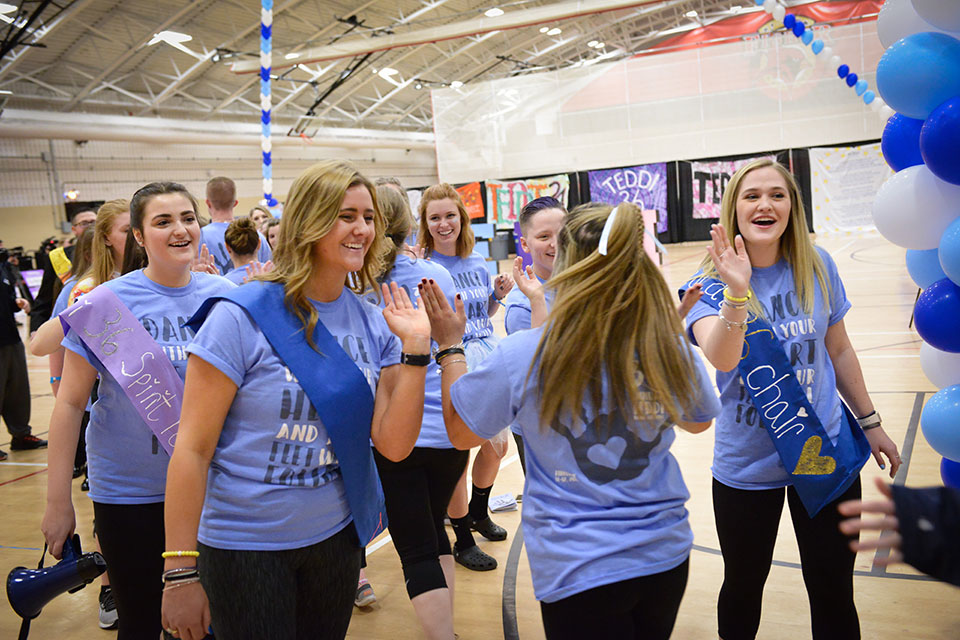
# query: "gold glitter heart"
{"points": [[811, 463]]}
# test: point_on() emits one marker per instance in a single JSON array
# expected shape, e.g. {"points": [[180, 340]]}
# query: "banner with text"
{"points": [[843, 182], [507, 197], [472, 199], [709, 181], [644, 185]]}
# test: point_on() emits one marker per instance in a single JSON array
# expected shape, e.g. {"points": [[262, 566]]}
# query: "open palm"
{"points": [[731, 261], [404, 319]]}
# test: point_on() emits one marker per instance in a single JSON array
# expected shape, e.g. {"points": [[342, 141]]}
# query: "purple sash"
{"points": [[144, 372]]}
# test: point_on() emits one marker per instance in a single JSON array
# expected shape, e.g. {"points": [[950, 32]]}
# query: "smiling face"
{"points": [[763, 207], [170, 232], [117, 237], [259, 217], [540, 240], [443, 223], [343, 249]]}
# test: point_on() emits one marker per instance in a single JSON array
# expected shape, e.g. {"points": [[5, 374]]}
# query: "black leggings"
{"points": [[294, 594], [417, 491], [131, 541], [642, 608], [520, 452], [747, 526]]}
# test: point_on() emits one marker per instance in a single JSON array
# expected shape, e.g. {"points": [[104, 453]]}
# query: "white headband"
{"points": [[605, 234]]}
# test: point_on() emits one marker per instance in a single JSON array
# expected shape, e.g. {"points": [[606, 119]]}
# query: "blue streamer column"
{"points": [[266, 63]]}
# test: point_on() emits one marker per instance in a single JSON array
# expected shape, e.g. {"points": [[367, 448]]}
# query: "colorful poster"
{"points": [[644, 185], [709, 181], [844, 182], [472, 199], [507, 197]]}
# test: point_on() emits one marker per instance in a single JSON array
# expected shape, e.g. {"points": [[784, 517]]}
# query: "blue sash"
{"points": [[337, 389], [820, 471]]}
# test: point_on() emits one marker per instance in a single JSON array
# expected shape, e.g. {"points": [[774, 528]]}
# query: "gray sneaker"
{"points": [[108, 609]]}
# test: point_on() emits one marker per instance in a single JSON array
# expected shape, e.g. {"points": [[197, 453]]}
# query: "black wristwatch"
{"points": [[415, 359]]}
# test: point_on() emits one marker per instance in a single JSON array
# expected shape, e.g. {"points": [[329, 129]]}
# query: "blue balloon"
{"points": [[940, 421], [843, 70], [759, 3], [950, 473], [869, 97], [918, 73], [935, 317], [923, 265], [861, 87], [852, 79], [807, 37], [949, 252], [798, 28], [789, 21], [940, 141], [900, 142], [817, 47]]}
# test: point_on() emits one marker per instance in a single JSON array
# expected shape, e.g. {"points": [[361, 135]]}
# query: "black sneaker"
{"points": [[23, 443], [3, 455], [108, 609]]}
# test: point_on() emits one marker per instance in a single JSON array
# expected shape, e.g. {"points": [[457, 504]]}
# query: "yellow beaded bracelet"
{"points": [[727, 296], [180, 554]]}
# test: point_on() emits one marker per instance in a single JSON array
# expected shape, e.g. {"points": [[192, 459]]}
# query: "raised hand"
{"points": [[405, 320], [447, 325], [502, 285], [527, 282], [732, 262], [204, 262], [257, 268], [690, 297]]}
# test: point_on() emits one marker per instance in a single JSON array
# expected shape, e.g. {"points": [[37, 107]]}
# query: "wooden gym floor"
{"points": [[895, 602]]}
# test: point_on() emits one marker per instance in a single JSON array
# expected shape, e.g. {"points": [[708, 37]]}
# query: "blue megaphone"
{"points": [[28, 590]]}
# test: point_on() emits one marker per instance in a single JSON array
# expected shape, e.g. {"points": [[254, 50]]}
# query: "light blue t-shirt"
{"points": [[744, 456], [274, 481], [518, 317], [237, 275], [212, 236], [595, 511], [126, 463], [408, 273], [475, 287], [63, 298]]}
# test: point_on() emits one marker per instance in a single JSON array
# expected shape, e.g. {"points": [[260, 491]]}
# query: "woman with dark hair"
{"points": [[447, 239], [271, 229], [113, 329], [242, 242], [596, 392]]}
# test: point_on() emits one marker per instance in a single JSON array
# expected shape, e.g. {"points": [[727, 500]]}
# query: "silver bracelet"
{"points": [[730, 324]]}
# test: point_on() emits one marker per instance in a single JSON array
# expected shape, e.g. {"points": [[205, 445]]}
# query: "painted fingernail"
{"points": [[883, 466], [431, 281]]}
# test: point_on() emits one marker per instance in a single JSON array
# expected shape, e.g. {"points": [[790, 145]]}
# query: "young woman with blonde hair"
{"points": [[135, 315], [289, 378], [771, 322], [447, 239], [596, 394]]}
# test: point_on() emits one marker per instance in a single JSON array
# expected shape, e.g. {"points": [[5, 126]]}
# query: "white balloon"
{"points": [[827, 53], [834, 61], [944, 14], [779, 12], [877, 104], [898, 19], [914, 207], [768, 5], [940, 367], [886, 113]]}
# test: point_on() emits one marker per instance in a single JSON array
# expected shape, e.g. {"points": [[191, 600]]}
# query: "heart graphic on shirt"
{"points": [[811, 463], [801, 413], [608, 454]]}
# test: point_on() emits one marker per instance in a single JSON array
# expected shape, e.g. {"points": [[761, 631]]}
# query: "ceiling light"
{"points": [[4, 92], [600, 45], [292, 56], [592, 43], [544, 29], [493, 13], [304, 67], [170, 37], [736, 8], [386, 72], [418, 86], [71, 194], [691, 14], [7, 8], [554, 32], [456, 84]]}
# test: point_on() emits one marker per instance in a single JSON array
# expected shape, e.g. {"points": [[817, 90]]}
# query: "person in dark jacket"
{"points": [[43, 305], [922, 528]]}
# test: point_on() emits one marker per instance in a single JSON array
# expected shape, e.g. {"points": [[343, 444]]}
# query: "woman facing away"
{"points": [[136, 315], [447, 239], [272, 490], [771, 322], [243, 242], [595, 392]]}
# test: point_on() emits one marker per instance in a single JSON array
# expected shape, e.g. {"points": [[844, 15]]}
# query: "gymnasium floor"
{"points": [[893, 603]]}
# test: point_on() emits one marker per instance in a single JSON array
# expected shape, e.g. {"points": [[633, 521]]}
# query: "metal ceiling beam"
{"points": [[18, 56], [131, 52]]}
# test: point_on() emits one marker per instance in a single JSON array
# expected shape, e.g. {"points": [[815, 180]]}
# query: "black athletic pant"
{"points": [[747, 526], [297, 594], [523, 462], [640, 608], [15, 389], [131, 541], [417, 491]]}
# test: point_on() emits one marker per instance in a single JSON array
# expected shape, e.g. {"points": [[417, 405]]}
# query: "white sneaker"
{"points": [[108, 609]]}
